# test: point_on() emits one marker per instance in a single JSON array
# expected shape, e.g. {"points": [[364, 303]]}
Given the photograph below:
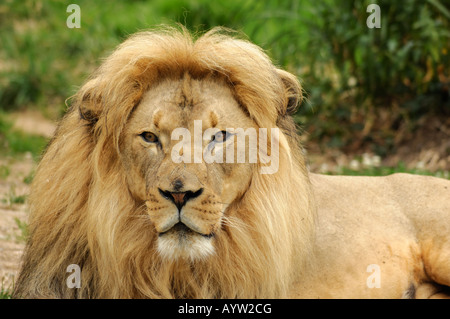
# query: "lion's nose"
{"points": [[180, 198]]}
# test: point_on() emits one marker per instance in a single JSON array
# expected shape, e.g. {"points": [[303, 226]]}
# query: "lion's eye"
{"points": [[149, 137], [220, 137]]}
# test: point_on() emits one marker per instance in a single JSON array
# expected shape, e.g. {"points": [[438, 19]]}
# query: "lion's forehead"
{"points": [[179, 103]]}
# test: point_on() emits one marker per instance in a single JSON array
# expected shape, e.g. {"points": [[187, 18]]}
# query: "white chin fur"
{"points": [[195, 247]]}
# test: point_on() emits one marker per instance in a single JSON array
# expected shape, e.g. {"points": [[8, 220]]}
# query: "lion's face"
{"points": [[186, 196], [178, 162]]}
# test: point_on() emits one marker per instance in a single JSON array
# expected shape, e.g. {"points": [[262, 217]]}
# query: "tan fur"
{"points": [[97, 197], [400, 223]]}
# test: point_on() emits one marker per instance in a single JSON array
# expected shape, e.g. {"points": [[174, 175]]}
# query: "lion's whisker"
{"points": [[235, 223]]}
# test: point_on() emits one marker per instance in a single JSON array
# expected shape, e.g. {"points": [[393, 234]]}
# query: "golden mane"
{"points": [[82, 212]]}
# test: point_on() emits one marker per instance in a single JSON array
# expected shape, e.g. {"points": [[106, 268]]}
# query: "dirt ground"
{"points": [[11, 243], [13, 214], [429, 150]]}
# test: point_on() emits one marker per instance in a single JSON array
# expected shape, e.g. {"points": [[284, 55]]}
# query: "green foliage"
{"points": [[358, 74]]}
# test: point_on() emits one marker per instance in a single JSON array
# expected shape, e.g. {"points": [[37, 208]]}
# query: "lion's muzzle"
{"points": [[186, 220], [181, 219], [180, 198]]}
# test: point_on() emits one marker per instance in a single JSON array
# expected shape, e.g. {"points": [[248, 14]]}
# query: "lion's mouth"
{"points": [[182, 230], [180, 241]]}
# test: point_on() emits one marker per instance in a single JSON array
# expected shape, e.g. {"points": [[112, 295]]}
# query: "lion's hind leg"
{"points": [[432, 291], [436, 259]]}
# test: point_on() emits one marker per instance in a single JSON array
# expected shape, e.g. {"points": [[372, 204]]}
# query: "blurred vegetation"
{"points": [[362, 84], [5, 293], [384, 170], [379, 79], [15, 142]]}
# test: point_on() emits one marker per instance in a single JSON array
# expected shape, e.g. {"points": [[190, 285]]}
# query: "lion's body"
{"points": [[110, 196], [380, 237]]}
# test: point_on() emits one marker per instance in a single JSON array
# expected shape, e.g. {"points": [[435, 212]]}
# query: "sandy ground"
{"points": [[10, 248], [11, 243], [12, 214]]}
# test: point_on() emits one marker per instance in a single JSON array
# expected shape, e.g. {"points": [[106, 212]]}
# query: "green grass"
{"points": [[23, 227], [44, 61], [12, 198], [29, 178], [370, 165], [4, 172], [385, 170], [5, 293]]}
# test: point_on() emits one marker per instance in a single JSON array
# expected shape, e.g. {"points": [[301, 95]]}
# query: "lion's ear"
{"points": [[293, 92], [89, 105], [87, 113]]}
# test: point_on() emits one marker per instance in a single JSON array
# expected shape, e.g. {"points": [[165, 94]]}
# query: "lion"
{"points": [[116, 195]]}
